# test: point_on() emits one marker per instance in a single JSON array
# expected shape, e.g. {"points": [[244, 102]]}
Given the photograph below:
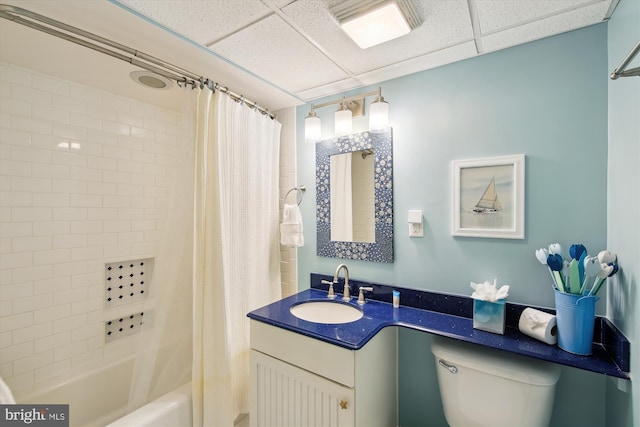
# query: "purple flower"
{"points": [[554, 261], [576, 251]]}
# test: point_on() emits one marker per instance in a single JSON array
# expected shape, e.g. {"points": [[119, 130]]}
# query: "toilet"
{"points": [[483, 387]]}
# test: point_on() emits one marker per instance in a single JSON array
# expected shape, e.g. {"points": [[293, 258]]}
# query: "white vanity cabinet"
{"points": [[298, 381]]}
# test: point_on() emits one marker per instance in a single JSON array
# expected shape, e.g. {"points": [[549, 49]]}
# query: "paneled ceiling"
{"points": [[298, 45], [279, 53]]}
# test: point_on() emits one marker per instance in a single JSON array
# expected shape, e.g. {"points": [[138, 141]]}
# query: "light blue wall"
{"points": [[547, 100], [623, 408]]}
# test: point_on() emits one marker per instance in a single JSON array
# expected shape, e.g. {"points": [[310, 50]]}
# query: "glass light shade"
{"points": [[312, 128], [343, 122], [379, 116]]}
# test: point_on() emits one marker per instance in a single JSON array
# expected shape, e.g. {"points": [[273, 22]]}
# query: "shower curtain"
{"points": [[341, 198], [164, 346], [236, 248]]}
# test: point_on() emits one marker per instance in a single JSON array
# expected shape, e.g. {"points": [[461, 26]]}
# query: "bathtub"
{"points": [[95, 398], [170, 410], [101, 397]]}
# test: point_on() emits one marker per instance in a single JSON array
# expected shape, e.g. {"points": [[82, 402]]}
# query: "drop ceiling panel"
{"points": [[547, 27], [495, 15], [423, 62], [279, 54], [202, 21], [329, 89]]}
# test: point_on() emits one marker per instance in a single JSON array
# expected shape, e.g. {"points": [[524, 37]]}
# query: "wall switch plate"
{"points": [[416, 228]]}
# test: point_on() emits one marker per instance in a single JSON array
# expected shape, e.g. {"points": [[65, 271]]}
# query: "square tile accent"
{"points": [[127, 281], [123, 326]]}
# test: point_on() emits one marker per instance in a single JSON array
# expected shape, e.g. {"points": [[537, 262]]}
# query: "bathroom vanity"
{"points": [[297, 380], [303, 370]]}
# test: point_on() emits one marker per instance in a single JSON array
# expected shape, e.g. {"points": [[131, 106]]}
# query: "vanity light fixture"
{"points": [[312, 128], [376, 21], [349, 107], [343, 120]]}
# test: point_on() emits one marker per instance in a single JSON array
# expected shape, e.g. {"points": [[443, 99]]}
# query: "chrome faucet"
{"points": [[346, 296]]}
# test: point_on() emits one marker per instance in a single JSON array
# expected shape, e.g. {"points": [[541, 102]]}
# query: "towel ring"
{"points": [[300, 190]]}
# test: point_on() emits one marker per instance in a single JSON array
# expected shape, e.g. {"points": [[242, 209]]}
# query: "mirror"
{"points": [[354, 197]]}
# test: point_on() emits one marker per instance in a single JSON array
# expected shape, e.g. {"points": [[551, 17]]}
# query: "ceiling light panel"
{"points": [[373, 23]]}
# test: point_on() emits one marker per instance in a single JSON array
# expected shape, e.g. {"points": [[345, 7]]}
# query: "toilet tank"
{"points": [[480, 386]]}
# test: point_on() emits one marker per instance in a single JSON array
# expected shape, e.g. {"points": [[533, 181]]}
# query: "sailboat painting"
{"points": [[489, 202], [489, 197]]}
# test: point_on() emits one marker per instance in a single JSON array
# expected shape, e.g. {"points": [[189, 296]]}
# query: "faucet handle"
{"points": [[361, 300], [331, 294]]}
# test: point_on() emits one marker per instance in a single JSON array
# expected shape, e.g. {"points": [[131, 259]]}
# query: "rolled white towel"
{"points": [[6, 397]]}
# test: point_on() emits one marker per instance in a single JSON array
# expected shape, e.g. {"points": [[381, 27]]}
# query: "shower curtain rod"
{"points": [[139, 59], [621, 71]]}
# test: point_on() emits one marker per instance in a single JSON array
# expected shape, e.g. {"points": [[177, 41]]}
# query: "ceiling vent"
{"points": [[370, 23]]}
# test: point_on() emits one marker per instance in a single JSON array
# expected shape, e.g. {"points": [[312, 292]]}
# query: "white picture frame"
{"points": [[488, 197]]}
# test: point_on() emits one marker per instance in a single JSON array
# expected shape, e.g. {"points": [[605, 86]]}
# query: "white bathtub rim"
{"points": [[164, 406], [52, 386]]}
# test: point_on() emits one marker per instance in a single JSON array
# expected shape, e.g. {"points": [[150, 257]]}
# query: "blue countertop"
{"points": [[449, 316]]}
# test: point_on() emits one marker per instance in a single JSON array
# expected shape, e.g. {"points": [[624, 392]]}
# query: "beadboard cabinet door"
{"points": [[287, 396], [297, 380]]}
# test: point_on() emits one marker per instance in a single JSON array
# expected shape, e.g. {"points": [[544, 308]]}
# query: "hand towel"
{"points": [[6, 398], [291, 227]]}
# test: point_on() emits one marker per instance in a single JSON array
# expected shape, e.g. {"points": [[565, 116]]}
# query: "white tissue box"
{"points": [[489, 316]]}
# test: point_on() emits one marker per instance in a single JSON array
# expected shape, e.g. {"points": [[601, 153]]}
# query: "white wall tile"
{"points": [[69, 104], [16, 322], [31, 243], [19, 351], [53, 284], [32, 332], [31, 303], [16, 75], [35, 96], [36, 361], [47, 84], [31, 273], [52, 341], [14, 137], [15, 106], [53, 256], [84, 180], [47, 315], [50, 113], [34, 155], [29, 124]]}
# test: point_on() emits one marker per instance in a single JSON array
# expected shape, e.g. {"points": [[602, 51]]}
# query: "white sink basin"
{"points": [[326, 312]]}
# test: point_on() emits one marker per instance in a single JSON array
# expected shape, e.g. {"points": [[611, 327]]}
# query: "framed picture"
{"points": [[488, 197]]}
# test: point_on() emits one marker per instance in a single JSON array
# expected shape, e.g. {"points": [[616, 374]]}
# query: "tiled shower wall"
{"points": [[288, 180], [84, 177]]}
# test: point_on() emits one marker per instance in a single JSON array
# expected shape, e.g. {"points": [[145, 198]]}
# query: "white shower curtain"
{"points": [[236, 249], [341, 197]]}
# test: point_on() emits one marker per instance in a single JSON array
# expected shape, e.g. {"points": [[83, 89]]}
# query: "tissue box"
{"points": [[489, 316]]}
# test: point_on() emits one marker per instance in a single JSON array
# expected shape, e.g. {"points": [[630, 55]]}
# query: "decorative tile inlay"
{"points": [[127, 281], [382, 249], [123, 326]]}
